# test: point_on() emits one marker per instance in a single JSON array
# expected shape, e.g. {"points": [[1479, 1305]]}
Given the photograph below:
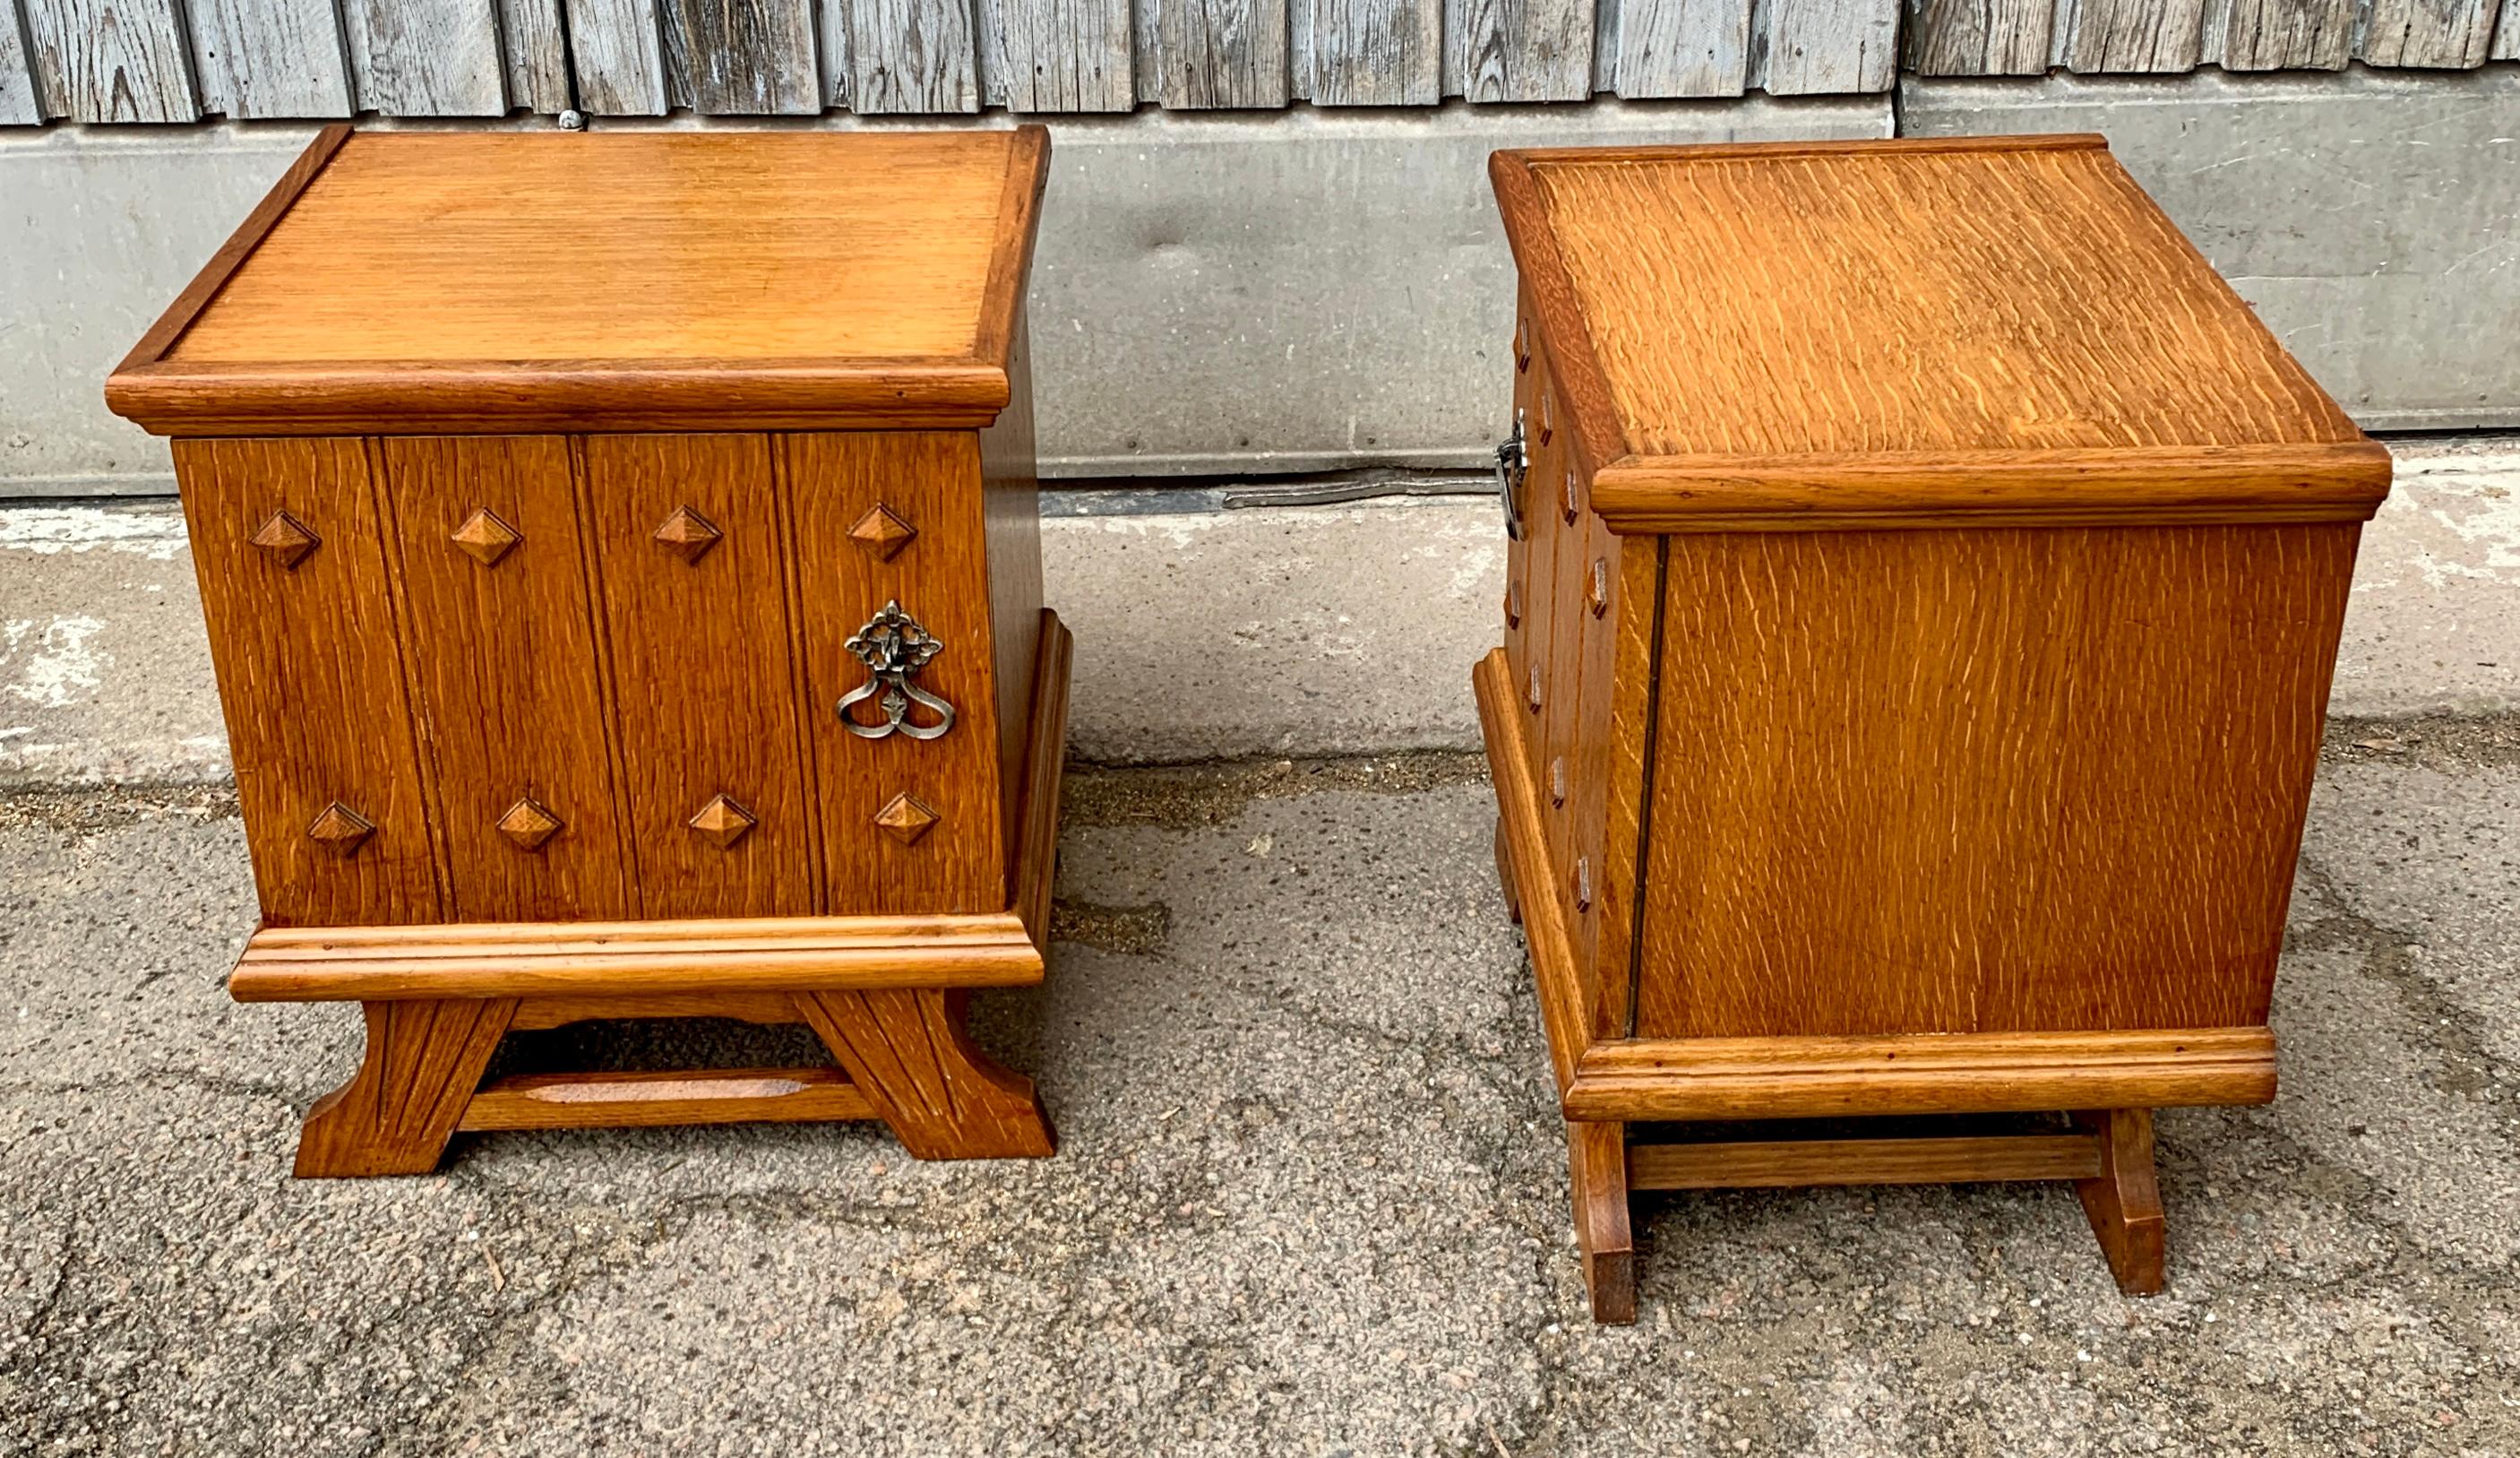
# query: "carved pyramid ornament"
{"points": [[485, 538], [688, 534], [286, 538], [905, 819], [529, 824], [881, 533], [1597, 592], [340, 829], [721, 822]]}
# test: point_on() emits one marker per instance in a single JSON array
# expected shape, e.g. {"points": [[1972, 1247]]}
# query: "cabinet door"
{"points": [[908, 825], [694, 600], [287, 539], [502, 656]]}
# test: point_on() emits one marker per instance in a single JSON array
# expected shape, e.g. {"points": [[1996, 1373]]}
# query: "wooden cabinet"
{"points": [[621, 568], [1917, 641]]}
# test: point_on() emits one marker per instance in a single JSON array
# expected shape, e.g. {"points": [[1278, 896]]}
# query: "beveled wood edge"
{"points": [[1002, 298], [196, 296], [1721, 151], [1598, 439], [2337, 481], [1544, 919], [1036, 847], [1995, 1073], [428, 397], [592, 959], [664, 1098]]}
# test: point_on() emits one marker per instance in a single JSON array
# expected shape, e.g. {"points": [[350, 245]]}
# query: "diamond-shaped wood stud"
{"points": [[1522, 345], [1558, 781], [1574, 504], [881, 533], [721, 822], [340, 829], [688, 534], [485, 538], [1532, 692], [529, 824], [1596, 594], [287, 539], [905, 819], [1583, 882], [1513, 605]]}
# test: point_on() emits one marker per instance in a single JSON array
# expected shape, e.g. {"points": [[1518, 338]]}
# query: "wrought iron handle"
{"points": [[894, 648], [1513, 460]]}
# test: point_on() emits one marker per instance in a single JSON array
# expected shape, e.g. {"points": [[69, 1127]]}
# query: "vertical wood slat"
{"points": [[617, 49], [2113, 36], [831, 27], [1980, 38], [2507, 34], [426, 58], [271, 58], [536, 49], [20, 105], [913, 56], [1222, 53], [2444, 34], [112, 60], [1523, 50], [747, 57], [1683, 48], [1376, 53], [2285, 35], [1065, 55], [1824, 47]]}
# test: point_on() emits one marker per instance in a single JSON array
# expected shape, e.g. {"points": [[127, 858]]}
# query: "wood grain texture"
{"points": [[1598, 1180], [534, 42], [913, 56], [1523, 50], [1035, 846], [426, 58], [1065, 55], [1833, 1077], [633, 959], [2123, 1198], [2441, 34], [931, 480], [1376, 52], [112, 60], [1980, 38], [649, 1099], [1010, 528], [505, 658], [422, 1064], [21, 104], [1523, 847], [1222, 53], [944, 1097], [2287, 35], [312, 689], [1668, 48], [2506, 34], [769, 1009], [1802, 1163], [271, 58], [2103, 36], [1953, 762], [698, 672], [1824, 47], [617, 54], [2011, 295], [410, 288], [745, 58]]}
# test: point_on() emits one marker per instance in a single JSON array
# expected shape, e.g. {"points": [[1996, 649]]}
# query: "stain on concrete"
{"points": [[1134, 931]]}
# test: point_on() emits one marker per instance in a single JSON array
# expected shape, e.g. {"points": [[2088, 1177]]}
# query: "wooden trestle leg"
{"points": [[1597, 1178], [944, 1097], [395, 1115], [2124, 1201]]}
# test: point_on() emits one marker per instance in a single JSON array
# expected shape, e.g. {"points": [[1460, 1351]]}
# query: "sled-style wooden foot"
{"points": [[2124, 1200], [395, 1115], [1597, 1174], [907, 1053]]}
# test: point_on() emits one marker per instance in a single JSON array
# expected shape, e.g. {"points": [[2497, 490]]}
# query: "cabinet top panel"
{"points": [[1810, 312], [448, 282]]}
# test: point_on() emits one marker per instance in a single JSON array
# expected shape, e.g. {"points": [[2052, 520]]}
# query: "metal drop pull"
{"points": [[894, 648], [1512, 459]]}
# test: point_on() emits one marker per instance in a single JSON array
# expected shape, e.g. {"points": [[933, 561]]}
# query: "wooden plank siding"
{"points": [[178, 61]]}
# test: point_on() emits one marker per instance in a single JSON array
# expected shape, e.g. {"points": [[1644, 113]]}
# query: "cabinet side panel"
{"points": [[930, 483], [309, 678], [1983, 781], [697, 642], [511, 710], [1611, 768], [1011, 501]]}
